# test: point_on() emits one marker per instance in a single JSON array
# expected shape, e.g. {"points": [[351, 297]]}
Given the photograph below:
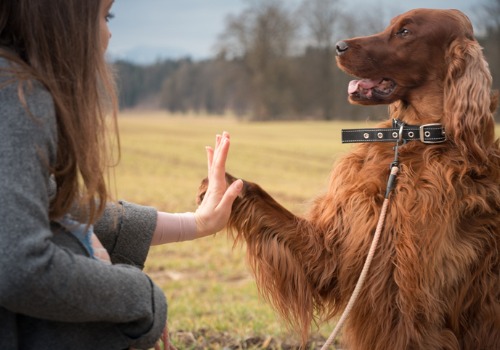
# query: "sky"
{"points": [[147, 30]]}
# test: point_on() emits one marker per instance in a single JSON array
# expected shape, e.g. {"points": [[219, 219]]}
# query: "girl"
{"points": [[70, 259]]}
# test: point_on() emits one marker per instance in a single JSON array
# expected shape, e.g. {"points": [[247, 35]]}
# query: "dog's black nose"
{"points": [[341, 47]]}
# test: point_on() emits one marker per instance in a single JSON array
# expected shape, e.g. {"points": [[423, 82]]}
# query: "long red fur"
{"points": [[435, 279]]}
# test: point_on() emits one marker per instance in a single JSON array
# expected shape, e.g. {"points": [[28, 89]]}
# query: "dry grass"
{"points": [[206, 281]]}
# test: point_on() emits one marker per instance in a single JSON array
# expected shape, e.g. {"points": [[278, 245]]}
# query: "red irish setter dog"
{"points": [[434, 282]]}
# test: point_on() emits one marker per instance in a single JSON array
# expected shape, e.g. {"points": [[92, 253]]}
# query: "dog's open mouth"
{"points": [[371, 89]]}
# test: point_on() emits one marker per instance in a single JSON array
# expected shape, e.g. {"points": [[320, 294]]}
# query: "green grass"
{"points": [[207, 282]]}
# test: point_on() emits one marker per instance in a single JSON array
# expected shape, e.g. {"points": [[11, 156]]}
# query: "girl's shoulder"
{"points": [[27, 109], [21, 94]]}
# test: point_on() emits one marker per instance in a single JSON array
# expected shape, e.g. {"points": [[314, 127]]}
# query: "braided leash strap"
{"points": [[366, 266]]}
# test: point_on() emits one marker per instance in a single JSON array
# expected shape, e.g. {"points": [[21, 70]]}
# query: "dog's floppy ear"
{"points": [[468, 118]]}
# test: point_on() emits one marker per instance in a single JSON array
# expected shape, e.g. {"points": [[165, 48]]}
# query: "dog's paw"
{"points": [[202, 189]]}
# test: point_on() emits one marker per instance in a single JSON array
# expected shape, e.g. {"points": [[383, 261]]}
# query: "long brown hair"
{"points": [[57, 42]]}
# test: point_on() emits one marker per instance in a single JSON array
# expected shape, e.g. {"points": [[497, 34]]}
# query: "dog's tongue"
{"points": [[364, 84]]}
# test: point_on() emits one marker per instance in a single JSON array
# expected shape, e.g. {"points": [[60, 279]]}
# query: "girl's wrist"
{"points": [[174, 227]]}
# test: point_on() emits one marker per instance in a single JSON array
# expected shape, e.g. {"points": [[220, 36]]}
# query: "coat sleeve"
{"points": [[126, 230], [37, 277]]}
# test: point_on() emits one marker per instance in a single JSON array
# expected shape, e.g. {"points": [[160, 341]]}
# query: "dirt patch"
{"points": [[161, 276], [209, 339]]}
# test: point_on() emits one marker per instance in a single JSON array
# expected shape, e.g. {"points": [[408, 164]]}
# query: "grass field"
{"points": [[207, 282]]}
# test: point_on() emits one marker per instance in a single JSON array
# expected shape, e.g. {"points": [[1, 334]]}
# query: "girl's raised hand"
{"points": [[213, 213]]}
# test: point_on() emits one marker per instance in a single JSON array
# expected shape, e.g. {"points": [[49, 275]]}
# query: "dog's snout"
{"points": [[341, 47]]}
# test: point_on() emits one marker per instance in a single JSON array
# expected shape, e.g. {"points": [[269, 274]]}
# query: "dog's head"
{"points": [[410, 54], [429, 67]]}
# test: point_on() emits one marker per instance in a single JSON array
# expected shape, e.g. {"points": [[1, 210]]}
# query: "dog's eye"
{"points": [[403, 32]]}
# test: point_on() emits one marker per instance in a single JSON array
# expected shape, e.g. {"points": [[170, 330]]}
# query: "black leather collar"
{"points": [[427, 133]]}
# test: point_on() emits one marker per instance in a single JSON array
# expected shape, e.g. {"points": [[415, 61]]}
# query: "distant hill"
{"points": [[146, 55]]}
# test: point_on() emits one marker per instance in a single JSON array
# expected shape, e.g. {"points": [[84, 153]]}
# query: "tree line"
{"points": [[274, 63]]}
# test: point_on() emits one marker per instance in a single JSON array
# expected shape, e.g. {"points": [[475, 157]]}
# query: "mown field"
{"points": [[213, 300]]}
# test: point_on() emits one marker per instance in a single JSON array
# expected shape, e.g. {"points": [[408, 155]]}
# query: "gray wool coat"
{"points": [[52, 294]]}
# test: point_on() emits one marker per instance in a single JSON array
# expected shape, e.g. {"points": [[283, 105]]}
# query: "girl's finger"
{"points": [[219, 160], [217, 140], [210, 158], [215, 151]]}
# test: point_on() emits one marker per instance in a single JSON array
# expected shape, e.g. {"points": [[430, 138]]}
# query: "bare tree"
{"points": [[492, 11], [489, 27], [261, 36], [321, 19]]}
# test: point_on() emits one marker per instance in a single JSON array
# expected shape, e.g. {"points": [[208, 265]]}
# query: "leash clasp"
{"points": [[400, 142], [394, 168], [400, 138]]}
